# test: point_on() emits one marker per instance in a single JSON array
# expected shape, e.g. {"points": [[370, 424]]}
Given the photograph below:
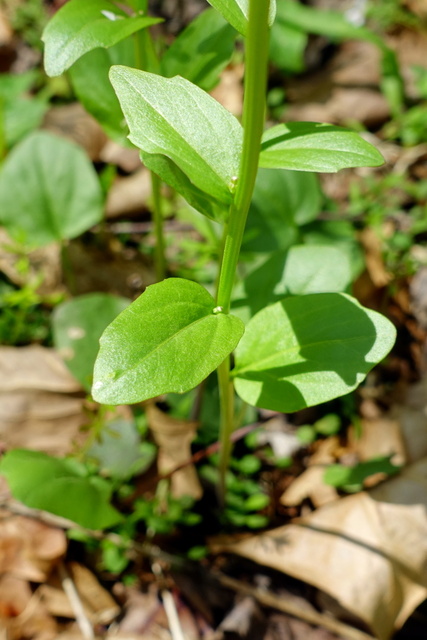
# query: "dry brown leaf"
{"points": [[174, 438], [29, 549], [74, 123], [99, 606], [37, 410], [124, 157], [229, 91], [21, 613], [129, 195], [368, 551]]}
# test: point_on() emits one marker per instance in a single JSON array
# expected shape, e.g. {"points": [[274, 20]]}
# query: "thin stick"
{"points": [[281, 604], [170, 607], [72, 594]]}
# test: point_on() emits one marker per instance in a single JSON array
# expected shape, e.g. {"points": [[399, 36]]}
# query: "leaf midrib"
{"points": [[260, 363]]}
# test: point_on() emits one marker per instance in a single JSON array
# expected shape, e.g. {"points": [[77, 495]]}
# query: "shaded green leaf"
{"points": [[282, 201], [300, 271], [175, 178], [236, 12], [311, 146], [310, 349], [91, 84], [49, 190], [81, 26], [77, 326], [167, 341], [201, 51], [60, 486], [119, 451], [174, 118], [287, 46]]}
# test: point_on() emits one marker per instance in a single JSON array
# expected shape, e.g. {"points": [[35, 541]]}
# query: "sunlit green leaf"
{"points": [[236, 12], [309, 349], [311, 146], [81, 26], [167, 341], [174, 118]]}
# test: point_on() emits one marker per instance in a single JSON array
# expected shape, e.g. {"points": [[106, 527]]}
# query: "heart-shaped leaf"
{"points": [[174, 118], [311, 146], [49, 190], [61, 486], [167, 341], [236, 12], [310, 349], [81, 26]]}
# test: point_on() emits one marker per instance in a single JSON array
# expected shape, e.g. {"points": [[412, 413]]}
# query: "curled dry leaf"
{"points": [[128, 195], [368, 551], [174, 438], [21, 613], [38, 404], [29, 549]]}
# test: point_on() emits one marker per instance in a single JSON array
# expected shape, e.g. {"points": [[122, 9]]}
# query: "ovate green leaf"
{"points": [[167, 341], [236, 12], [77, 326], [49, 190], [174, 118], [309, 349], [310, 146], [61, 486], [81, 26], [201, 51]]}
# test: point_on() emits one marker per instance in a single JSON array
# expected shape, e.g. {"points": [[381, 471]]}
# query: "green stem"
{"points": [[145, 59], [160, 262], [253, 124]]}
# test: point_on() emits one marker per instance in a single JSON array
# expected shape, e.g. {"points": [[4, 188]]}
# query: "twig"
{"points": [[170, 607], [72, 594], [275, 602]]}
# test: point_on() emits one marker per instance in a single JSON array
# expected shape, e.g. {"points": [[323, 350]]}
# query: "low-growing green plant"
{"points": [[288, 337], [299, 351]]}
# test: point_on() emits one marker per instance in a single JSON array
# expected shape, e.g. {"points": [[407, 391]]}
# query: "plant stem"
{"points": [[253, 124], [160, 262], [145, 59]]}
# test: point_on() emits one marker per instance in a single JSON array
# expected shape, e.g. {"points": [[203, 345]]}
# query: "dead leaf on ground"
{"points": [[174, 438], [22, 615], [98, 604], [71, 121], [29, 549], [129, 195], [368, 551], [127, 158], [229, 91], [38, 407], [366, 106]]}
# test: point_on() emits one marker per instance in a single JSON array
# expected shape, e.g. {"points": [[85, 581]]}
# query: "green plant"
{"points": [[297, 352]]}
